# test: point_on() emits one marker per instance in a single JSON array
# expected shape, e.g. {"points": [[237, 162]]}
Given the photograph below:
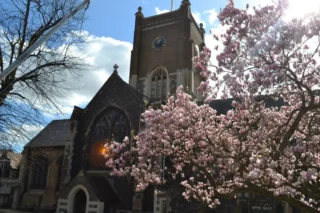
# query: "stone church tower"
{"points": [[163, 48], [161, 60]]}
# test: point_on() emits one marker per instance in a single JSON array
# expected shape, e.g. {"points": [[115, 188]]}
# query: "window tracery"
{"points": [[39, 173], [113, 124], [159, 84]]}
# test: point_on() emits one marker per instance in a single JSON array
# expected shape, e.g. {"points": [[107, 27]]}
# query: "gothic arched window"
{"points": [[113, 124], [60, 166], [39, 172], [196, 50], [159, 84]]}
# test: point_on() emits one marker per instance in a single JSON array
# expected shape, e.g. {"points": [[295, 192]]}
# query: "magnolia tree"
{"points": [[274, 151]]}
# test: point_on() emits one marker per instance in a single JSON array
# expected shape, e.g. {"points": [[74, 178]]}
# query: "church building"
{"points": [[66, 168], [63, 167]]}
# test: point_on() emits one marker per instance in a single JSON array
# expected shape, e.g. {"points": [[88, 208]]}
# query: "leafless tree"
{"points": [[37, 84]]}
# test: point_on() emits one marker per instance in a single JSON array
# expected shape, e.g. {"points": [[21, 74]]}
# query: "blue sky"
{"points": [[116, 18]]}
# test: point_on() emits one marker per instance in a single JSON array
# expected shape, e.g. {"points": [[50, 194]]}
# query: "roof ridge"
{"points": [[60, 119]]}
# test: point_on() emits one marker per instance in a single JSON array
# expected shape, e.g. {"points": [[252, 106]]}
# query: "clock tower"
{"points": [[163, 48]]}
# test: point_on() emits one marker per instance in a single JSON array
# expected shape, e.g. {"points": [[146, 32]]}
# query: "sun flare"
{"points": [[302, 8]]}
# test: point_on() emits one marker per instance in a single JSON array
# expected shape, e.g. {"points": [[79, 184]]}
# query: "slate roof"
{"points": [[54, 134], [115, 76], [223, 106], [136, 93], [103, 189]]}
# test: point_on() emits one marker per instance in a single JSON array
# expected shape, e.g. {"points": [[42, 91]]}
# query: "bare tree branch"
{"points": [[35, 86]]}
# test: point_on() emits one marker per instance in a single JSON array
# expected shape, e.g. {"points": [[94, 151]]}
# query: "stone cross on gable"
{"points": [[115, 68]]}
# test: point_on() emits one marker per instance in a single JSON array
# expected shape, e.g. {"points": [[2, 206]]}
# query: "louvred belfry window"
{"points": [[113, 124], [159, 84]]}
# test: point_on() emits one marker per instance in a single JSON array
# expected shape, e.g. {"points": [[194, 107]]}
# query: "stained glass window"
{"points": [[113, 124]]}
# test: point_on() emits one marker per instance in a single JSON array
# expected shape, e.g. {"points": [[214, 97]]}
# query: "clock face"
{"points": [[158, 43]]}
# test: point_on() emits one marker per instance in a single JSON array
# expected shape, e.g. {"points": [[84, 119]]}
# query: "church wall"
{"points": [[169, 56], [9, 182], [162, 17], [42, 198], [115, 94], [68, 203], [182, 33], [195, 34], [77, 151], [175, 28], [65, 176]]}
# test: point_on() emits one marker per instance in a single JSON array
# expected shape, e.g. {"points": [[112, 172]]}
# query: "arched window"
{"points": [[4, 165], [60, 165], [39, 172], [158, 84], [4, 168], [196, 50], [113, 124]]}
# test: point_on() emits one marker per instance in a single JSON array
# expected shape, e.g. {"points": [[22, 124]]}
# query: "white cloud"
{"points": [[102, 53], [17, 137], [197, 17], [158, 11], [212, 15], [211, 43]]}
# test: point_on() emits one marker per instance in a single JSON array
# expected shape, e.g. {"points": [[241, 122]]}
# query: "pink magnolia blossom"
{"points": [[255, 148]]}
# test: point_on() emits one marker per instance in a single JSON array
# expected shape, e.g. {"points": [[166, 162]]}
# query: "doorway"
{"points": [[80, 202]]}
